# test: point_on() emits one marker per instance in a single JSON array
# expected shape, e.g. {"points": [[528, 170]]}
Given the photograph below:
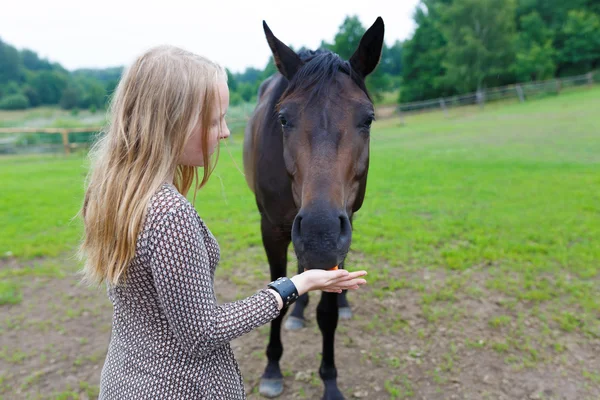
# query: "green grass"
{"points": [[10, 292], [39, 200], [50, 117]]}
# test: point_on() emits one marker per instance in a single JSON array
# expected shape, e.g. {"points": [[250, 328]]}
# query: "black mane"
{"points": [[318, 72]]}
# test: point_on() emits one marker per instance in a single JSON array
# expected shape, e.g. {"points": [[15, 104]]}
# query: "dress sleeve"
{"points": [[182, 276]]}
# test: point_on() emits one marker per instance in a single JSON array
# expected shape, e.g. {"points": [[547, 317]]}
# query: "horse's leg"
{"points": [[327, 317], [296, 319], [275, 242], [345, 312]]}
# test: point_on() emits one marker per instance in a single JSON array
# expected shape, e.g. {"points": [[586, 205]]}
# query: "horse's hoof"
{"points": [[345, 313], [340, 397], [294, 323], [333, 395], [270, 387]]}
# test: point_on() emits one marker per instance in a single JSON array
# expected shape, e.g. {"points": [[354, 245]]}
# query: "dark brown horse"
{"points": [[306, 158]]}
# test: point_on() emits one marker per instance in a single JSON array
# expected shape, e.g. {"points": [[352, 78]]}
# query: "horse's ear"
{"points": [[367, 56], [286, 60]]}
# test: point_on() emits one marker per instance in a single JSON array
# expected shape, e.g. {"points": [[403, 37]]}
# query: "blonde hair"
{"points": [[159, 100]]}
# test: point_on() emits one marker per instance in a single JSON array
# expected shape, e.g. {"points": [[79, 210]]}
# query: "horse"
{"points": [[306, 160]]}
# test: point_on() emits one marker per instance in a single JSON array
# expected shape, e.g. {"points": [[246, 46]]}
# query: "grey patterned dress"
{"points": [[170, 338]]}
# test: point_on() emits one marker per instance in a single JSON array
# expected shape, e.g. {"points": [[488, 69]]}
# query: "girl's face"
{"points": [[192, 153]]}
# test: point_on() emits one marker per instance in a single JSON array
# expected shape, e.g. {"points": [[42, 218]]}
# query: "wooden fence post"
{"points": [[65, 140], [590, 77], [557, 80], [400, 115], [443, 106], [520, 93], [480, 98]]}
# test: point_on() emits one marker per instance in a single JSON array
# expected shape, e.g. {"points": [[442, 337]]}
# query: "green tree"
{"points": [[32, 95], [534, 50], [32, 62], [480, 37], [348, 37], [391, 59], [581, 32], [247, 90], [9, 88], [14, 102], [10, 63], [269, 70], [231, 81], [49, 85], [422, 56], [70, 98], [235, 99], [249, 75], [94, 94]]}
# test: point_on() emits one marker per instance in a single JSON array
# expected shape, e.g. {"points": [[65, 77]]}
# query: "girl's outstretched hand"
{"points": [[328, 281]]}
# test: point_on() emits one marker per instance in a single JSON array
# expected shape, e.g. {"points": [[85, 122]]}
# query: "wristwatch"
{"points": [[286, 289]]}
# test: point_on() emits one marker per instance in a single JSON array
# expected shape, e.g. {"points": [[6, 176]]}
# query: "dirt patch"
{"points": [[403, 342]]}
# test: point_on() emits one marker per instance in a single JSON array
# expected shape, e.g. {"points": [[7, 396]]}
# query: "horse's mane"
{"points": [[318, 72]]}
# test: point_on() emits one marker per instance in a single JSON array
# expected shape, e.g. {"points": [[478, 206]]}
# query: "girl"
{"points": [[144, 239]]}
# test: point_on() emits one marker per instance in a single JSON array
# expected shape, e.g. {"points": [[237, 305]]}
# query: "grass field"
{"points": [[479, 231]]}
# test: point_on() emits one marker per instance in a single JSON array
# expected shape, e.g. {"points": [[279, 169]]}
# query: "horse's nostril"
{"points": [[297, 229], [345, 231]]}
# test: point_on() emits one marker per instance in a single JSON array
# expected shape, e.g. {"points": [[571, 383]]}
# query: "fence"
{"points": [[239, 117], [67, 143], [520, 91], [14, 140]]}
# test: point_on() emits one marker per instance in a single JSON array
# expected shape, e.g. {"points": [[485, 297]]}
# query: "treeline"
{"points": [[458, 46], [26, 80], [462, 46]]}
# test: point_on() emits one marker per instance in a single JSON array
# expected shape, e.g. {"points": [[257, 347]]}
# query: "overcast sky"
{"points": [[78, 33]]}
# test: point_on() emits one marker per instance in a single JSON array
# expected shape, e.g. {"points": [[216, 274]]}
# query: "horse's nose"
{"points": [[321, 237]]}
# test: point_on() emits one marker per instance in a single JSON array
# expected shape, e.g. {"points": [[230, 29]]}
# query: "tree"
{"points": [[32, 95], [348, 37], [14, 102], [534, 51], [391, 59], [70, 98], [269, 70], [249, 75], [422, 56], [581, 32], [480, 37], [32, 62], [49, 85], [10, 63], [10, 88], [93, 94], [231, 81], [247, 90]]}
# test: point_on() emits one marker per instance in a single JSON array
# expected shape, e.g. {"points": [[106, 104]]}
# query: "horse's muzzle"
{"points": [[321, 237]]}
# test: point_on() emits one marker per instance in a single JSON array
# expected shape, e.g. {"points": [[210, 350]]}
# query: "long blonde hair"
{"points": [[159, 100]]}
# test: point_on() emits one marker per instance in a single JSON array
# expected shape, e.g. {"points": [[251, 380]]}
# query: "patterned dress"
{"points": [[170, 338]]}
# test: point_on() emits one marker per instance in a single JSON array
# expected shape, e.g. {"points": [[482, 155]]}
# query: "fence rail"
{"points": [[64, 132], [520, 91]]}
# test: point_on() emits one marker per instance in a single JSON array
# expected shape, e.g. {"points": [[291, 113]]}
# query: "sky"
{"points": [[107, 33]]}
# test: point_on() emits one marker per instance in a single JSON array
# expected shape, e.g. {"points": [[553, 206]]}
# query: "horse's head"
{"points": [[325, 116]]}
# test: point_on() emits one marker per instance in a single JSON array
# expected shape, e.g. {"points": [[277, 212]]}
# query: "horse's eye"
{"points": [[368, 122], [283, 121]]}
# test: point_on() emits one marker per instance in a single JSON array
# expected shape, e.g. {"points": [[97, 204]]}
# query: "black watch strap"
{"points": [[286, 289]]}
